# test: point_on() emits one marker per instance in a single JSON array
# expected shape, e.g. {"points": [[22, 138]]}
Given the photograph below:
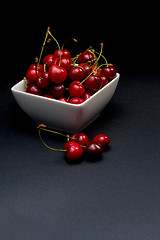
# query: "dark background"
{"points": [[117, 197], [129, 31]]}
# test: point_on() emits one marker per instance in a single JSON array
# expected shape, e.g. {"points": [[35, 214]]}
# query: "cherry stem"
{"points": [[102, 57], [93, 65], [100, 54], [68, 98], [45, 67], [75, 58], [25, 82], [44, 43], [90, 47], [43, 127], [57, 45], [53, 149], [93, 52], [105, 64]]}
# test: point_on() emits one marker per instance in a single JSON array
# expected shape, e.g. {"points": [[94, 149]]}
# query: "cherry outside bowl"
{"points": [[60, 115]]}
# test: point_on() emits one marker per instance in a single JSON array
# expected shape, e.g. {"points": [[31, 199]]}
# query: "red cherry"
{"points": [[80, 138], [32, 75], [48, 60], [86, 96], [93, 83], [34, 66], [85, 57], [76, 89], [102, 139], [62, 99], [33, 89], [57, 91], [104, 80], [55, 61], [57, 74], [76, 73], [58, 52], [43, 82], [48, 96], [86, 68], [74, 151], [64, 53], [65, 62], [109, 72], [76, 100], [93, 148], [96, 72]]}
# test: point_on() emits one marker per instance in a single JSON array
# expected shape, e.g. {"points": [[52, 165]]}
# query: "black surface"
{"points": [[116, 198], [43, 197]]}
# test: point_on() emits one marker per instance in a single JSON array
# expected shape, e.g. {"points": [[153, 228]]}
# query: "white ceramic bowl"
{"points": [[60, 115]]}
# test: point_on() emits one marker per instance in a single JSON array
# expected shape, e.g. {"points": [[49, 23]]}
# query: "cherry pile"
{"points": [[78, 144], [65, 78]]}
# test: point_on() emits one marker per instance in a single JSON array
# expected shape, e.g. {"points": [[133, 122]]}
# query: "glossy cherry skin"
{"points": [[65, 62], [109, 72], [48, 60], [80, 138], [57, 90], [55, 60], [62, 99], [93, 83], [76, 73], [34, 66], [32, 75], [64, 53], [76, 89], [74, 151], [33, 89], [43, 82], [104, 80], [85, 57], [76, 100], [57, 74], [96, 72], [86, 95], [86, 68], [93, 148], [102, 140]]}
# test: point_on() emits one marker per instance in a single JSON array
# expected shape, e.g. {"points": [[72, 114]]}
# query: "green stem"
{"points": [[53, 149], [57, 45], [68, 98], [25, 82], [75, 58], [105, 64], [43, 127], [99, 53], [87, 77], [94, 64], [44, 43], [103, 58], [48, 130], [93, 52]]}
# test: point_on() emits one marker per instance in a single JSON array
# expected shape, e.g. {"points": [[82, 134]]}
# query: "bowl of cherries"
{"points": [[64, 92]]}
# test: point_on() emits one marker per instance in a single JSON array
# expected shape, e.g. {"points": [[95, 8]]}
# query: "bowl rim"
{"points": [[13, 89]]}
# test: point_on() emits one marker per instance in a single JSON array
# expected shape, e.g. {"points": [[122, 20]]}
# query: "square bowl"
{"points": [[60, 115]]}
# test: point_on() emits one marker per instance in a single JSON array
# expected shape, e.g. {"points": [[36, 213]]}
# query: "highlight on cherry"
{"points": [[66, 78], [78, 144]]}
